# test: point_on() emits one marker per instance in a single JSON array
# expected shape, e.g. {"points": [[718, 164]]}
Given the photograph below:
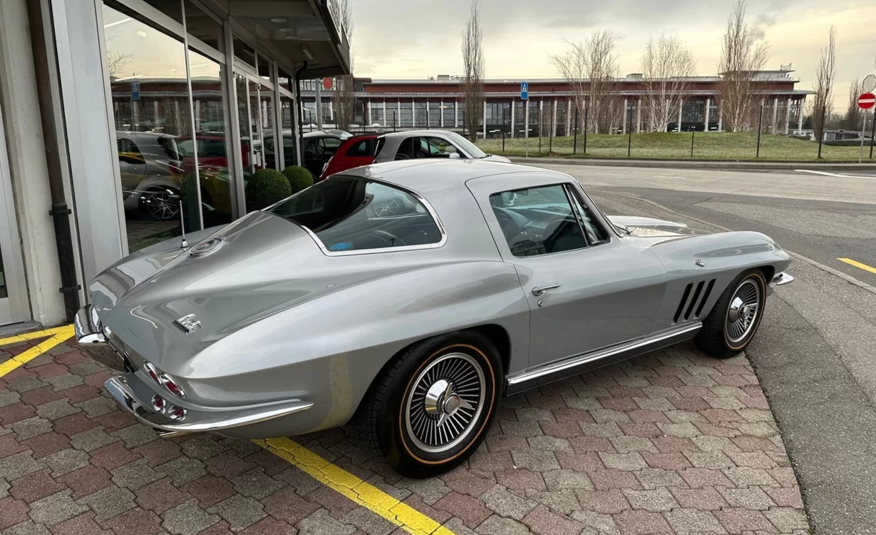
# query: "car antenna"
{"points": [[182, 223]]}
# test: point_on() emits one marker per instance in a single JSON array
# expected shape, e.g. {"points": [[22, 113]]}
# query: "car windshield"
{"points": [[467, 146], [348, 213]]}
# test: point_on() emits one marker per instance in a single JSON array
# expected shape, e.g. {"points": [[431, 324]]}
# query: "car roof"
{"points": [[411, 133], [427, 176]]}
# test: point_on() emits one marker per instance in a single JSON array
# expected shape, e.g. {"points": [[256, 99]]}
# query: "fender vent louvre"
{"points": [[705, 297], [682, 303], [693, 300]]}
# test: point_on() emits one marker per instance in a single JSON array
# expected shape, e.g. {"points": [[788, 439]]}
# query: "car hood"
{"points": [[495, 158], [262, 265], [651, 231]]}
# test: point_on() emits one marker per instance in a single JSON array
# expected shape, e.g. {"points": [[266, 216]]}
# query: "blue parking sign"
{"points": [[135, 90], [524, 90]]}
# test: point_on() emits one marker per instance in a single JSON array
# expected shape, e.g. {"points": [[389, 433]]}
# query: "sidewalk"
{"points": [[868, 165]]}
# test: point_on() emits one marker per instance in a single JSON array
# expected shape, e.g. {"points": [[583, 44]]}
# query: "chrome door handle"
{"points": [[540, 290]]}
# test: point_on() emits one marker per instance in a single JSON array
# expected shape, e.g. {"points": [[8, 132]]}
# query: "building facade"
{"points": [[125, 122], [437, 103]]}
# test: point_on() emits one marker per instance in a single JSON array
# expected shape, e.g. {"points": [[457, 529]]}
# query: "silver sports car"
{"points": [[410, 297]]}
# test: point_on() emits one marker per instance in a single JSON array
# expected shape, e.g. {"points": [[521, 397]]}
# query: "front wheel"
{"points": [[732, 323], [430, 409]]}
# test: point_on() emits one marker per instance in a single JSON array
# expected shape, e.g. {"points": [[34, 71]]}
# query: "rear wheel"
{"points": [[160, 204], [733, 322], [431, 408]]}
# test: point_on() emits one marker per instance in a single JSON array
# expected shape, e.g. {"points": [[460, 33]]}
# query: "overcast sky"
{"points": [[421, 38]]}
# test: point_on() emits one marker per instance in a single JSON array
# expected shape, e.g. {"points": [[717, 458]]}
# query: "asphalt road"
{"points": [[815, 353]]}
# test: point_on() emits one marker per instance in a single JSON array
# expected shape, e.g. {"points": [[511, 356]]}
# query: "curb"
{"points": [[681, 164]]}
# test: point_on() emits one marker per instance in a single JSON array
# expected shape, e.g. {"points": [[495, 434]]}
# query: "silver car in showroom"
{"points": [[410, 297]]}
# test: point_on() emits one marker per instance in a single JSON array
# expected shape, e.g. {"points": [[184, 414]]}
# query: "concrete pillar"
{"points": [[639, 116], [775, 115], [398, 112], [680, 110], [385, 117], [512, 117], [787, 115], [626, 111], [441, 110], [800, 103], [707, 115], [720, 117], [540, 115], [485, 118], [554, 119]]}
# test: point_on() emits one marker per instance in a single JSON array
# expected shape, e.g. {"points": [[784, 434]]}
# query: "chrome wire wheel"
{"points": [[442, 408], [743, 312]]}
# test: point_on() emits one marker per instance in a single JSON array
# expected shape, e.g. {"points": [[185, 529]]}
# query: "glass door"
{"points": [[13, 298]]}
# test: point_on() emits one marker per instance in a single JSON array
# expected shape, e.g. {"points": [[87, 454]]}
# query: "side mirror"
{"points": [[454, 156]]}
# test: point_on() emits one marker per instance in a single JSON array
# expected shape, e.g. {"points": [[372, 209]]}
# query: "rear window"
{"points": [[361, 148], [348, 214]]}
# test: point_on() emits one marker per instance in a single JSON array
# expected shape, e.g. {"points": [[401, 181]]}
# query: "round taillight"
{"points": [[151, 372], [175, 412], [158, 403], [171, 386]]}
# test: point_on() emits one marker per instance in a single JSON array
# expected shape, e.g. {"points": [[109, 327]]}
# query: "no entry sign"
{"points": [[867, 101]]}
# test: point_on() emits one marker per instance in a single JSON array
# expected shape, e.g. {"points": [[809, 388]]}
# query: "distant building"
{"points": [[436, 102]]}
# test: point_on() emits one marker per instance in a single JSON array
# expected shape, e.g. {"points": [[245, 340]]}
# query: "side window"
{"points": [[595, 233], [406, 149], [331, 145], [361, 149], [128, 152], [436, 147], [538, 221]]}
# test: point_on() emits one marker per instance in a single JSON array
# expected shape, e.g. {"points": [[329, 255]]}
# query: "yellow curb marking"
{"points": [[58, 335], [328, 474], [859, 265], [352, 487]]}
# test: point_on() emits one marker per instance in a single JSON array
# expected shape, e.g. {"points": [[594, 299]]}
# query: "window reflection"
{"points": [[152, 119]]}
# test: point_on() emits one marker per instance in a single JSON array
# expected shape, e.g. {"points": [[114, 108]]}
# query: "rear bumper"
{"points": [[128, 393]]}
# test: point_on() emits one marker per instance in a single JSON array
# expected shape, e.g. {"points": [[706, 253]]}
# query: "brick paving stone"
{"points": [[8, 397], [535, 460], [752, 498], [651, 500], [158, 452], [667, 461], [641, 523], [188, 519], [287, 506], [744, 476], [239, 512], [136, 521], [584, 403], [714, 460], [55, 508], [322, 523], [570, 416], [580, 462], [112, 456], [417, 503], [549, 443], [468, 509], [507, 504], [521, 479], [73, 424], [560, 501], [4, 488], [203, 447], [55, 410], [135, 475], [35, 486], [630, 444], [681, 416], [160, 496], [496, 525], [368, 522], [506, 443], [256, 484], [80, 393], [92, 439], [83, 524], [31, 427], [737, 521], [182, 470], [20, 464], [12, 512], [623, 461], [704, 477], [604, 430], [567, 479], [529, 414], [9, 445], [603, 501], [267, 526], [40, 396], [785, 497], [87, 480], [26, 528], [521, 429], [227, 464], [543, 522], [596, 523], [784, 476], [690, 521], [702, 499], [298, 480], [465, 482], [65, 381], [787, 519], [272, 464], [115, 421], [109, 502], [135, 435], [46, 444], [430, 490], [613, 479], [331, 500]]}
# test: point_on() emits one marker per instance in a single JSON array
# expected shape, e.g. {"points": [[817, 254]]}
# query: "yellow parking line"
{"points": [[859, 265], [355, 489], [58, 335]]}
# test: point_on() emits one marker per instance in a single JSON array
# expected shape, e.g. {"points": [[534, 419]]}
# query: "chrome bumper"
{"points": [[780, 279], [195, 421], [87, 327]]}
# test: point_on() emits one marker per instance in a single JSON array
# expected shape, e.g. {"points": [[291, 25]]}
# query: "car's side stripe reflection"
{"points": [[354, 488]]}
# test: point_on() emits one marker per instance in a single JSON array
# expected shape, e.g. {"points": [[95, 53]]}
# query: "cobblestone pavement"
{"points": [[671, 442]]}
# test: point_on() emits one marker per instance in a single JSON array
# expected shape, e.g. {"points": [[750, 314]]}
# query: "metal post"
{"points": [[629, 127], [692, 134], [575, 134], [863, 131], [526, 125], [586, 116], [759, 125], [318, 104], [872, 133], [503, 128], [540, 108]]}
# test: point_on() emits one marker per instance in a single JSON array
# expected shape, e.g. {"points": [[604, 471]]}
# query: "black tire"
{"points": [[722, 338], [388, 424], [160, 204]]}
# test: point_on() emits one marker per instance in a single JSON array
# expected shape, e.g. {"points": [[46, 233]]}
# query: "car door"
{"points": [[586, 289], [132, 165]]}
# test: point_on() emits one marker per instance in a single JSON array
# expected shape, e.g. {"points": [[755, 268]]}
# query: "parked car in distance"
{"points": [[151, 173], [319, 147], [353, 152], [408, 145], [476, 279]]}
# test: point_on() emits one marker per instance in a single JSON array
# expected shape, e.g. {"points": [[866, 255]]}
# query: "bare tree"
{"points": [[473, 70], [742, 56], [344, 94], [116, 61], [825, 74], [590, 68], [667, 66], [852, 119]]}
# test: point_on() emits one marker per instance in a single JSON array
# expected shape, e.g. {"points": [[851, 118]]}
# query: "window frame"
{"points": [[569, 191], [383, 250]]}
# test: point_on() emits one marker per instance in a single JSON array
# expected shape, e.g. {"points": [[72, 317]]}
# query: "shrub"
{"points": [[299, 177], [265, 187]]}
